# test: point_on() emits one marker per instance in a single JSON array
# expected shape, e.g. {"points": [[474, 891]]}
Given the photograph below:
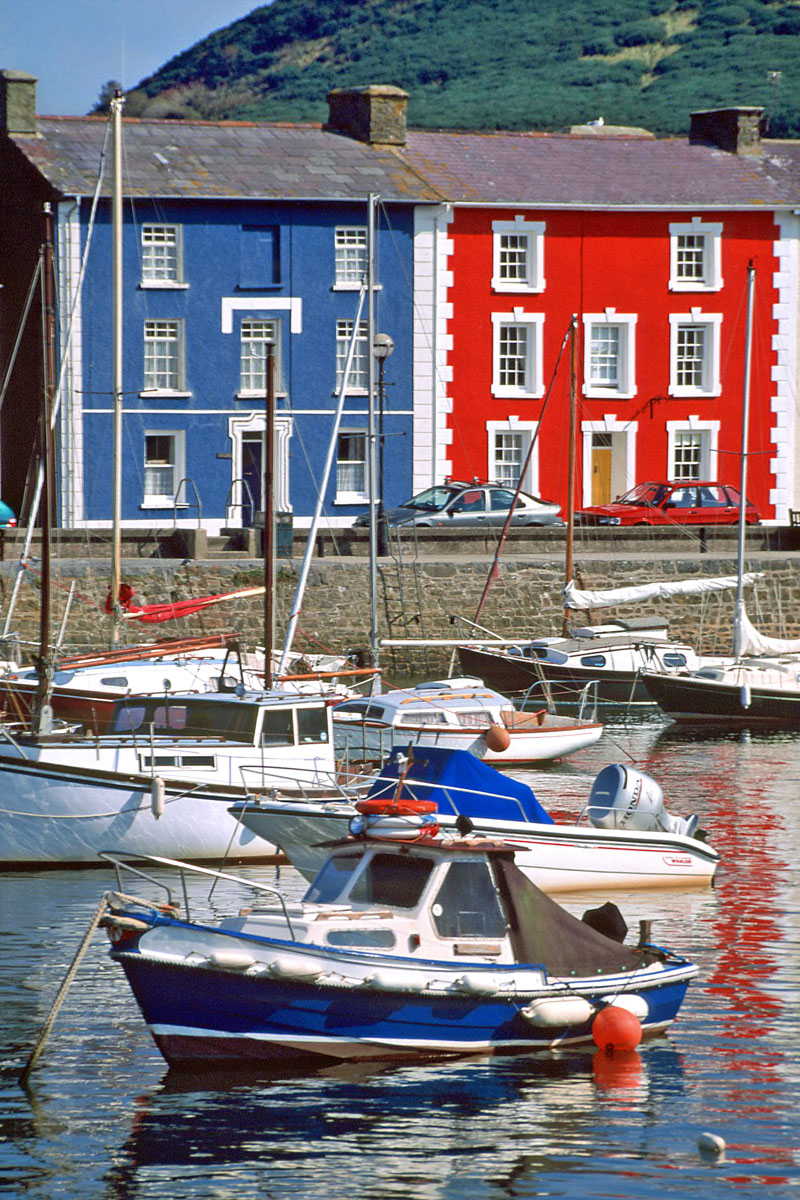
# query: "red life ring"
{"points": [[403, 807]]}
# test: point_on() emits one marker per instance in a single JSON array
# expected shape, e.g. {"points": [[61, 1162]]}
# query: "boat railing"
{"points": [[122, 864], [545, 691], [309, 783]]}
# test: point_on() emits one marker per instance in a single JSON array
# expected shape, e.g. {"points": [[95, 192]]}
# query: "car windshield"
{"points": [[431, 500], [645, 493]]}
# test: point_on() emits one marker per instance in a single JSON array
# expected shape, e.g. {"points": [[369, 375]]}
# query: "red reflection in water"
{"points": [[618, 1071]]}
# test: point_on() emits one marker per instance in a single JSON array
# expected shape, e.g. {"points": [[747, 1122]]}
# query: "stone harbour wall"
{"points": [[416, 599]]}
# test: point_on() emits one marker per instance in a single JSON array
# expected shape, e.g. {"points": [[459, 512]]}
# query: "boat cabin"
{"points": [[252, 719], [445, 900], [460, 703]]}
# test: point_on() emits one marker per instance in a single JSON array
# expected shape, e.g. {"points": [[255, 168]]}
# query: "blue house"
{"points": [[240, 242]]}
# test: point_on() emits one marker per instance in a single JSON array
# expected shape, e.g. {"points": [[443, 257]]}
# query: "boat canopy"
{"points": [[576, 598], [459, 783]]}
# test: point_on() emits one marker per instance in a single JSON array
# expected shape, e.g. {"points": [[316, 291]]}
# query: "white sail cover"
{"points": [[748, 641], [577, 599]]}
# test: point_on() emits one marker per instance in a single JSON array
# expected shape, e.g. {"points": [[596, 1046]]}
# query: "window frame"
{"points": [[178, 281], [340, 283], [360, 371], [149, 390], [711, 383], [343, 496], [527, 431], [625, 323], [711, 232], [533, 388], [533, 232], [245, 393], [178, 466], [709, 431]]}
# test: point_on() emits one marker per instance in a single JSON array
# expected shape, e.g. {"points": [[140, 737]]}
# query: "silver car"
{"points": [[460, 505]]}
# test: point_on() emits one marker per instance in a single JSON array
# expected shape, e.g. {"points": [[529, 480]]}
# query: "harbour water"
{"points": [[103, 1117]]}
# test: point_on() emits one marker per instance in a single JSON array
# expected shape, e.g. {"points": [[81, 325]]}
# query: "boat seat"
{"points": [[525, 720]]}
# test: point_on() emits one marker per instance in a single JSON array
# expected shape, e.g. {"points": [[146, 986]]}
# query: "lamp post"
{"points": [[382, 347]]}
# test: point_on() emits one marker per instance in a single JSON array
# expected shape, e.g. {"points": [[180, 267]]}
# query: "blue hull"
{"points": [[196, 1015]]}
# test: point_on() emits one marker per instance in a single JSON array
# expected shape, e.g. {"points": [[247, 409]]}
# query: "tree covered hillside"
{"points": [[495, 64]]}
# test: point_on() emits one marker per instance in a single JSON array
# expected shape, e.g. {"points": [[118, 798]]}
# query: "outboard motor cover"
{"points": [[624, 798]]}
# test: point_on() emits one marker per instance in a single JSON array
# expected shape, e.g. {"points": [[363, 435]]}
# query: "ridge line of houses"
{"points": [[242, 236]]}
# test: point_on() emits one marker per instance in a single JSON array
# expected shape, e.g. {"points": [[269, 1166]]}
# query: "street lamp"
{"points": [[382, 347]]}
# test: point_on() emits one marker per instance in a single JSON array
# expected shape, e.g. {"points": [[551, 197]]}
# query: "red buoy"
{"points": [[498, 738], [616, 1029]]}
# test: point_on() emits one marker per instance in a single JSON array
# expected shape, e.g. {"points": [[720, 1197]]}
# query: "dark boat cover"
{"points": [[459, 783], [542, 931]]}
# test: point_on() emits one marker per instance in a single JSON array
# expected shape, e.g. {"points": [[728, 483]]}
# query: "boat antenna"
{"points": [[738, 633]]}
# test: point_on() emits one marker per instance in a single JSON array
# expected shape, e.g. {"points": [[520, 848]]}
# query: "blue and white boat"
{"points": [[399, 949], [624, 837]]}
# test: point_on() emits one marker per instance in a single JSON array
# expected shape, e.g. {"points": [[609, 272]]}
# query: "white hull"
{"points": [[557, 858], [543, 744], [54, 815]]}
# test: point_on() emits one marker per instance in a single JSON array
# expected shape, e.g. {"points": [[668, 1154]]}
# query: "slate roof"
{"points": [[239, 160], [231, 160], [615, 172]]}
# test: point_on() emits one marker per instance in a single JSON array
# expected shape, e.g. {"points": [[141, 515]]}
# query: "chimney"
{"points": [[374, 114], [737, 130], [17, 102]]}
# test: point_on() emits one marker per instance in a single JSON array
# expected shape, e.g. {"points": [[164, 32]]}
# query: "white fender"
{"points": [[397, 981], [231, 960], [157, 796], [295, 966], [631, 1003], [477, 982], [550, 1012]]}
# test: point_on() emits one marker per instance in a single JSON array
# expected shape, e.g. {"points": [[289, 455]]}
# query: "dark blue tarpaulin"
{"points": [[459, 783]]}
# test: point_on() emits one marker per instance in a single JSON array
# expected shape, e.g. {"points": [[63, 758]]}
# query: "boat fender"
{"points": [[614, 1028], [744, 694], [394, 981], [231, 960], [498, 738], [550, 1012], [477, 983], [633, 1003], [157, 793], [295, 966]]}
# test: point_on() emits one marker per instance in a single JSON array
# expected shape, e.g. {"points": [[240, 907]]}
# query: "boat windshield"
{"points": [[332, 879], [185, 717], [387, 880]]}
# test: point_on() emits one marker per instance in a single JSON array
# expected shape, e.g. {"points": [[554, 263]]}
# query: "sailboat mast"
{"points": [[42, 711], [573, 404], [371, 439], [116, 225], [748, 354], [269, 519]]}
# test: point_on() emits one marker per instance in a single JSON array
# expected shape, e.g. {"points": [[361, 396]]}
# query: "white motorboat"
{"points": [[162, 779], [461, 714], [624, 838]]}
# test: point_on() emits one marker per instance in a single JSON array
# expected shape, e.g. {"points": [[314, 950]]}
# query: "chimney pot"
{"points": [[375, 114], [737, 130], [17, 103]]}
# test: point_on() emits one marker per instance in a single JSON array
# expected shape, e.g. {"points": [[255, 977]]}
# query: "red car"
{"points": [[682, 503]]}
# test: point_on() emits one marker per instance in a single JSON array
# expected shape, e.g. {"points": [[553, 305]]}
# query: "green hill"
{"points": [[494, 64]]}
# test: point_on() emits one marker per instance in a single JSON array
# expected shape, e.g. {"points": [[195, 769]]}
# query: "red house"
{"points": [[648, 243]]}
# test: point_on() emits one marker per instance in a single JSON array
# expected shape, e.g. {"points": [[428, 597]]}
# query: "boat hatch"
{"points": [[593, 660], [675, 660]]}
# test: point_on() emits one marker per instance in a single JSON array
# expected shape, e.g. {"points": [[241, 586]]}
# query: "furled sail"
{"points": [[172, 610], [748, 641], [577, 599]]}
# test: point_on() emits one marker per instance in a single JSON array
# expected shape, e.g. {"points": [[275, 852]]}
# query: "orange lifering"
{"points": [[403, 807]]}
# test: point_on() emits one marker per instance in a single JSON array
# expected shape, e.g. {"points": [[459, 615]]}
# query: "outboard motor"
{"points": [[623, 798]]}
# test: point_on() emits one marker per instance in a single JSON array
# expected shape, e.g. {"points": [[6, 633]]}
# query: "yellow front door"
{"points": [[601, 474]]}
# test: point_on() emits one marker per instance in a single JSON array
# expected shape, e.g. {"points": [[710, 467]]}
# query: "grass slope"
{"points": [[494, 64]]}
